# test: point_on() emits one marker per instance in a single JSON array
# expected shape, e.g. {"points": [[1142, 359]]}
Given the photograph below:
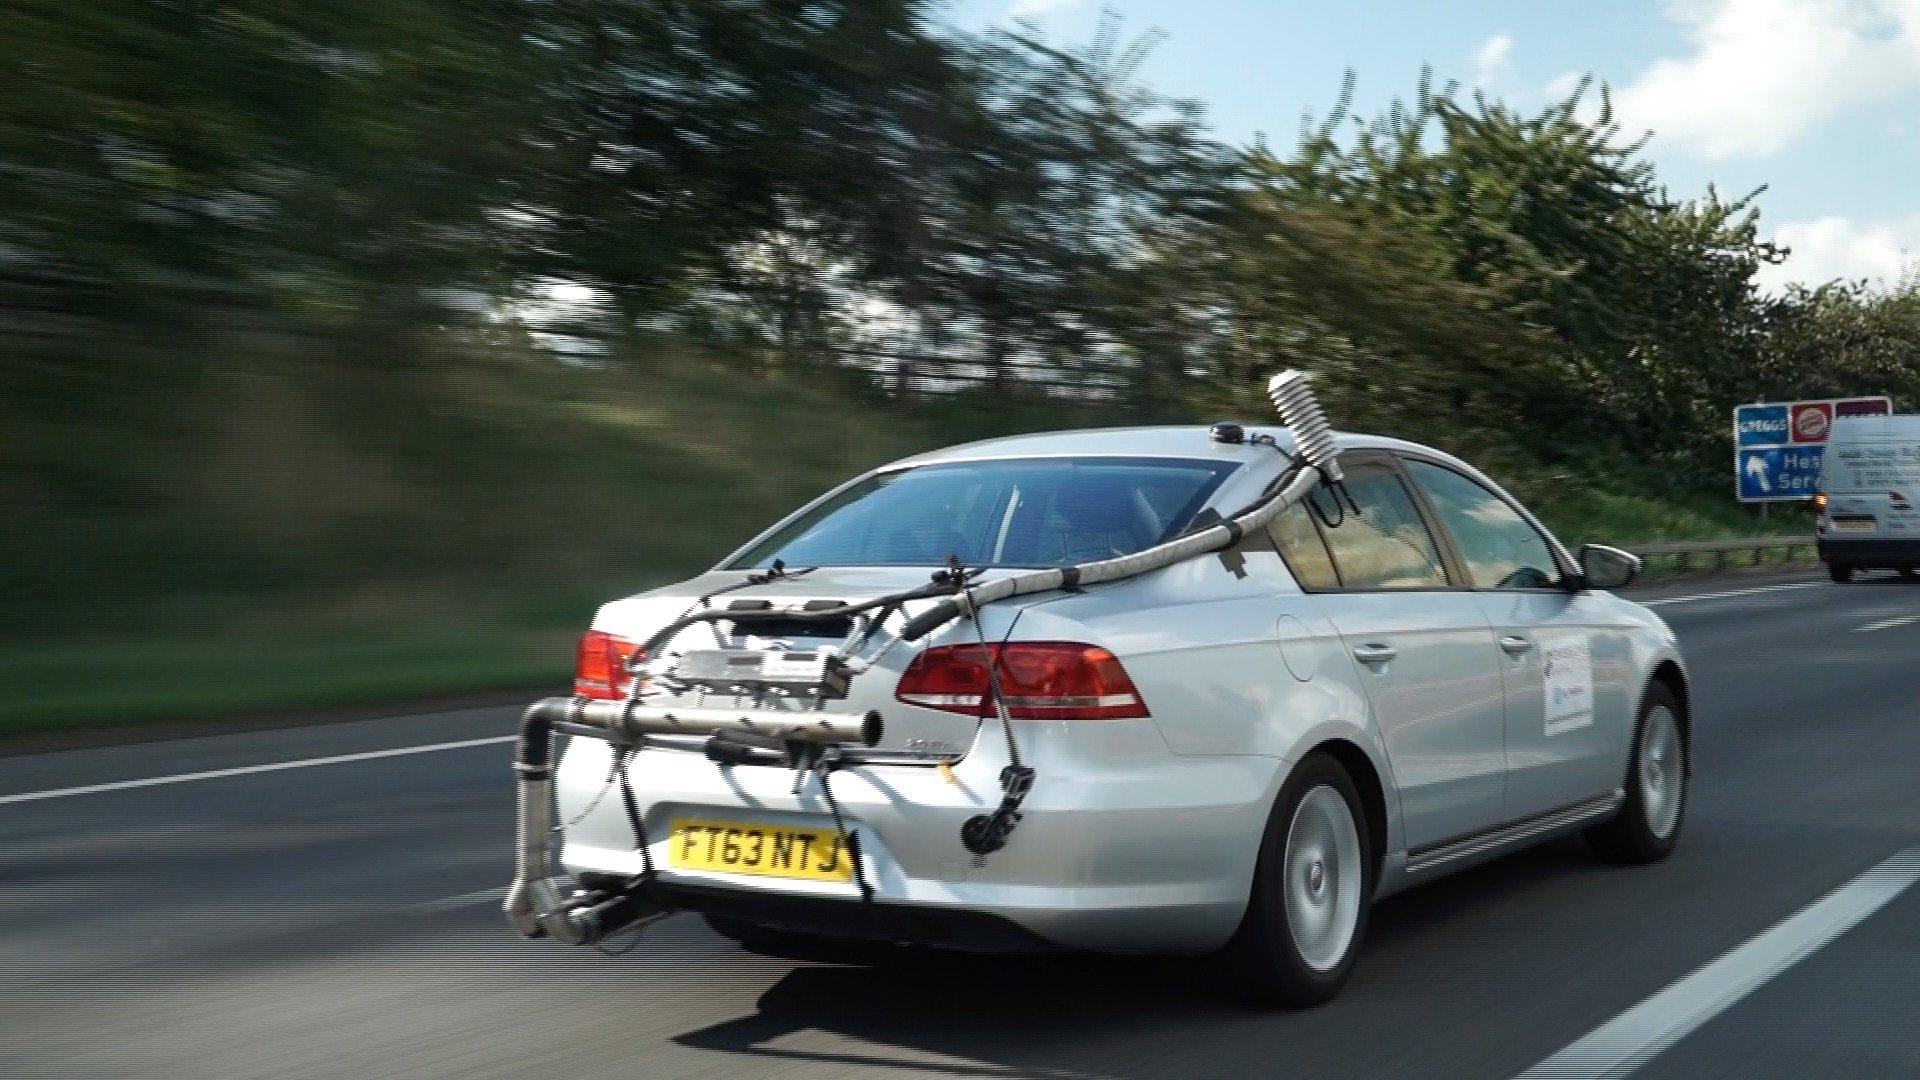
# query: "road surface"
{"points": [[340, 918]]}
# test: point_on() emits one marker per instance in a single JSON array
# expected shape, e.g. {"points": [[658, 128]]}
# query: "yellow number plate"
{"points": [[740, 847], [1852, 524]]}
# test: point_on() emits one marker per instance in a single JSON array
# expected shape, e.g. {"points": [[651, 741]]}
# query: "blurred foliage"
{"points": [[204, 169], [274, 280], [1512, 274]]}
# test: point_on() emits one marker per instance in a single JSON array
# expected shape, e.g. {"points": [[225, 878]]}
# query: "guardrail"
{"points": [[1685, 550]]}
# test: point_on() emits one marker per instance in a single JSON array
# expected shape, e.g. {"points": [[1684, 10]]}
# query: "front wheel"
{"points": [[1307, 914], [1840, 572], [1648, 825]]}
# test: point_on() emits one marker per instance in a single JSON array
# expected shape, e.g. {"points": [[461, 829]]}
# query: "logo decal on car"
{"points": [[1567, 677]]}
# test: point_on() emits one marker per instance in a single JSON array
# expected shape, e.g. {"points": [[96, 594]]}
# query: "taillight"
{"points": [[1819, 502], [1039, 680], [600, 666]]}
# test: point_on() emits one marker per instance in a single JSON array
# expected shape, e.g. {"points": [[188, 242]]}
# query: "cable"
{"points": [[993, 681], [777, 572], [984, 834], [848, 838], [613, 773], [621, 755], [1324, 515], [1273, 444]]}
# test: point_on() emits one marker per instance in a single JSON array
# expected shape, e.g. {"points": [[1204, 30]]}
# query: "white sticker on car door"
{"points": [[1567, 675]]}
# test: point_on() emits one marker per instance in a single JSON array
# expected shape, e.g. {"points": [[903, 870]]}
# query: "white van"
{"points": [[1867, 508]]}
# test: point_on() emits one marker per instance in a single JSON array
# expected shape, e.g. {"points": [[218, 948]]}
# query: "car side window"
{"points": [[1386, 545], [1501, 549], [1300, 544]]}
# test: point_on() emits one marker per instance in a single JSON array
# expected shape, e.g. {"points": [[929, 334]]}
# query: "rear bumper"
{"points": [[1123, 846], [1870, 551], [969, 931]]}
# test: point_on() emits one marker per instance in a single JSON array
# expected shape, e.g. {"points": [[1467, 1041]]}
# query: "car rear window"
{"points": [[1015, 512], [1304, 549], [1386, 545]]}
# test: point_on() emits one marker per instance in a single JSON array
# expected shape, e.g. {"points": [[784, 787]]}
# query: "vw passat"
{"points": [[1235, 754]]}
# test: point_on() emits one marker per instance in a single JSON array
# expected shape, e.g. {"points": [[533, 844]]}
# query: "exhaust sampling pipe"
{"points": [[534, 900], [1316, 461], [634, 720]]}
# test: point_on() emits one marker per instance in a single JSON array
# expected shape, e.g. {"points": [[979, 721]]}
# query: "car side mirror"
{"points": [[1603, 567]]}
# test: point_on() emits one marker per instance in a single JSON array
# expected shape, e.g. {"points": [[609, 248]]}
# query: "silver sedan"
{"points": [[1235, 754]]}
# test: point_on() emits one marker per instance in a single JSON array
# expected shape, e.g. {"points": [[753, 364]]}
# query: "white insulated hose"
{"points": [[1314, 451], [1225, 534]]}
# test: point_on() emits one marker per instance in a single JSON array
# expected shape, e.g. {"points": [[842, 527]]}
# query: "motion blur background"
{"points": [[354, 350]]}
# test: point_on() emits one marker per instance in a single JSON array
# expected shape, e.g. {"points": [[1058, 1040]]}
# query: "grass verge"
{"points": [[305, 538]]}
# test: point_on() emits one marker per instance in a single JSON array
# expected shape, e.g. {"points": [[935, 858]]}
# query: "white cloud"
{"points": [[1039, 9], [1763, 73], [1562, 86], [1492, 59], [1836, 247]]}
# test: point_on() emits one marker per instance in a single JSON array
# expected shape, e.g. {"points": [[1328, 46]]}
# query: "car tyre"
{"points": [[1312, 886], [1659, 772], [1840, 572]]}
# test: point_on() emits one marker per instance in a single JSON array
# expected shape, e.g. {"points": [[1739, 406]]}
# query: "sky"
{"points": [[1818, 101]]}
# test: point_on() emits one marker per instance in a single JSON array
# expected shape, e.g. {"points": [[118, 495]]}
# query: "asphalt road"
{"points": [[339, 919]]}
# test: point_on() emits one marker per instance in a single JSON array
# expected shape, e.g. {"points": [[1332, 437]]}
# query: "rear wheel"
{"points": [[1648, 826], [1307, 914], [1840, 572]]}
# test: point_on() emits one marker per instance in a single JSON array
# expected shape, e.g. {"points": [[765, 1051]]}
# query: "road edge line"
{"points": [[244, 770], [1656, 601], [1641, 1033]]}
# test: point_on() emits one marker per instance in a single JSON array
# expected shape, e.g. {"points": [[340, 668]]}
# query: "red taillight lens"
{"points": [[1039, 680], [600, 666]]}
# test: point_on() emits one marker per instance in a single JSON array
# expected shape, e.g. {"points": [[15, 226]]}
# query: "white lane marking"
{"points": [[1889, 624], [1733, 592], [244, 770], [1633, 1038], [450, 903]]}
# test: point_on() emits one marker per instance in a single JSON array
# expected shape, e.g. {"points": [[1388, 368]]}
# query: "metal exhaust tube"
{"points": [[633, 719], [535, 901]]}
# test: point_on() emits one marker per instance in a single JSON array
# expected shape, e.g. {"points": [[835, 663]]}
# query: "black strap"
{"points": [[984, 834], [848, 838], [621, 755]]}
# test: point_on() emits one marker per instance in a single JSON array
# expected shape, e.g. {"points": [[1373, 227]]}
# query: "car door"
{"points": [[1563, 667], [1422, 649]]}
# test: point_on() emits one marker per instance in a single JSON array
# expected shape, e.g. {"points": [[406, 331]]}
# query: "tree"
{"points": [[1522, 274]]}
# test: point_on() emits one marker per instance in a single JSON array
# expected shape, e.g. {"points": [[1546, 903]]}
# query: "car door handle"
{"points": [[1515, 645], [1374, 654]]}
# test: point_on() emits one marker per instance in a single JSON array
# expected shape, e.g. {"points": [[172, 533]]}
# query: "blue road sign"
{"points": [[1778, 445], [1760, 425], [1773, 473]]}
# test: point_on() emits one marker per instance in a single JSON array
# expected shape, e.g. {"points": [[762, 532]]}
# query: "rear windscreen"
{"points": [[1017, 512]]}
